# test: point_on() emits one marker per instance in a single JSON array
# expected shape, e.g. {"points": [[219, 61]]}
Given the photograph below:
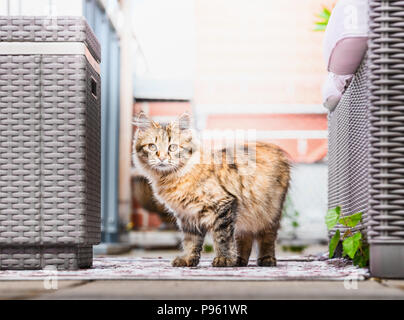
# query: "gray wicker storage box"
{"points": [[49, 143]]}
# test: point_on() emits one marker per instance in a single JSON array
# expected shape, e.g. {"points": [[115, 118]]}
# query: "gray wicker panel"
{"points": [[71, 151], [50, 165], [348, 153], [23, 257], [386, 44], [73, 257], [19, 149], [63, 110], [30, 257], [69, 29], [93, 159]]}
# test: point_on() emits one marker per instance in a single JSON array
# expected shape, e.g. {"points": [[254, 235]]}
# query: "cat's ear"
{"points": [[142, 121], [183, 122]]}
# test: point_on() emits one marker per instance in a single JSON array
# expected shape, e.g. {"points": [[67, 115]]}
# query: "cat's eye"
{"points": [[173, 147], [152, 147]]}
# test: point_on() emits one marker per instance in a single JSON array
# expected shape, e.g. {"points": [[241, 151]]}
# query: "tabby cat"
{"points": [[235, 203]]}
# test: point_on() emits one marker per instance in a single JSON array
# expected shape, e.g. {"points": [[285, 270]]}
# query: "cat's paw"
{"points": [[241, 262], [223, 262], [185, 262], [267, 261]]}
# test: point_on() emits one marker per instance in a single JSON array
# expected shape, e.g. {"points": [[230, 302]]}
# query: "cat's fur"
{"points": [[236, 204]]}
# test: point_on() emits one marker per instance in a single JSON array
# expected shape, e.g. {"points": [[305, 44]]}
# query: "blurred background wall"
{"points": [[234, 65], [253, 65]]}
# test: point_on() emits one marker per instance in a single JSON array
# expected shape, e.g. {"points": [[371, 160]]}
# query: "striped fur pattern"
{"points": [[236, 194]]}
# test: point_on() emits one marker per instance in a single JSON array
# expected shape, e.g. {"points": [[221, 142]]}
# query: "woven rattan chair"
{"points": [[366, 142]]}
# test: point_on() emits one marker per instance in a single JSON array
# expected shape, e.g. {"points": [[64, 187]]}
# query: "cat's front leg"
{"points": [[223, 237], [192, 246], [224, 248]]}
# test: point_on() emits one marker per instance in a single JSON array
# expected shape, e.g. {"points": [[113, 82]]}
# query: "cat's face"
{"points": [[163, 148]]}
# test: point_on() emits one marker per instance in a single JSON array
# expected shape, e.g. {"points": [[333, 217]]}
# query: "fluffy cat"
{"points": [[237, 194]]}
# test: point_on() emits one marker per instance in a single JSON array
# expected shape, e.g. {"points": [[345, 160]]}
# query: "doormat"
{"points": [[115, 268]]}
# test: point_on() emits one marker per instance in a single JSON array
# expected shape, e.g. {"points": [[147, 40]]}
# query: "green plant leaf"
{"points": [[332, 216], [361, 258], [333, 244], [351, 244], [358, 260], [326, 11], [324, 15], [366, 254], [352, 220]]}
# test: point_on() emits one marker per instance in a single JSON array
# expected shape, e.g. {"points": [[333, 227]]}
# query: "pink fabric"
{"points": [[347, 55], [345, 41]]}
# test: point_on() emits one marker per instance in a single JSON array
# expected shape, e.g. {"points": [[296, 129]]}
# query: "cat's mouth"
{"points": [[163, 166]]}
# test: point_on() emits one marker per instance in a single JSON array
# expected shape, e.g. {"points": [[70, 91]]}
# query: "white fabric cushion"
{"points": [[346, 35], [333, 89]]}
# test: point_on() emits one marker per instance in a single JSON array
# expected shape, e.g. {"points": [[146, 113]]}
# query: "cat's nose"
{"points": [[162, 158]]}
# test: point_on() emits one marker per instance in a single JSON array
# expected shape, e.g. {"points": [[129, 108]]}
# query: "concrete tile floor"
{"points": [[30, 289], [215, 290], [167, 289]]}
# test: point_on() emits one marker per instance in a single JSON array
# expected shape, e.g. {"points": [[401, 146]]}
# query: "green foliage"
{"points": [[332, 217], [361, 258], [324, 16], [352, 243], [290, 216], [294, 248], [352, 220], [333, 244]]}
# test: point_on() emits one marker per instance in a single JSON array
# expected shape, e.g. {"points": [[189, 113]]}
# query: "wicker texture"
{"points": [[19, 148], [93, 158], [348, 154], [34, 257], [49, 159], [41, 29], [386, 46]]}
